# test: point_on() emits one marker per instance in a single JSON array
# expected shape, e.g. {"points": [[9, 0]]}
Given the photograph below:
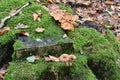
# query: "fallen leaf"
{"points": [[35, 16], [51, 1], [39, 30], [37, 57], [2, 72], [4, 30], [24, 33], [85, 2], [39, 15], [109, 2], [1, 76]]}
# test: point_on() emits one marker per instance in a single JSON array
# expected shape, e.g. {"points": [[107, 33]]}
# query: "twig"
{"points": [[10, 16]]}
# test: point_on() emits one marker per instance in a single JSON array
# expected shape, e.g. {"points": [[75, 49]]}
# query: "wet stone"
{"points": [[43, 46]]}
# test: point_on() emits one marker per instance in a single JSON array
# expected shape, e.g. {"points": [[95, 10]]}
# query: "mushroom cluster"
{"points": [[67, 20], [65, 58]]}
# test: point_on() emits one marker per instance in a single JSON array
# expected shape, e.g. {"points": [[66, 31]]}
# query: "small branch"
{"points": [[10, 16]]}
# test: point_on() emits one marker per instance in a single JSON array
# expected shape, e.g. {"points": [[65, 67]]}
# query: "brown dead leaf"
{"points": [[2, 72], [37, 57], [40, 15], [1, 76], [51, 1], [35, 16], [4, 30], [109, 2], [24, 33], [85, 2], [39, 30]]}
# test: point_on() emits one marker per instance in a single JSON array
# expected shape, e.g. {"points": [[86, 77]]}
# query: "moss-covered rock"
{"points": [[9, 36], [113, 41], [99, 51], [41, 70]]}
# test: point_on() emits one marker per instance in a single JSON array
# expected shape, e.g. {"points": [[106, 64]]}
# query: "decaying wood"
{"points": [[15, 13]]}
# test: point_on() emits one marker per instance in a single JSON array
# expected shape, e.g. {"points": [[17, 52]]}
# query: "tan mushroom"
{"points": [[72, 57], [64, 58], [67, 17], [52, 58], [58, 14], [67, 26], [75, 18]]}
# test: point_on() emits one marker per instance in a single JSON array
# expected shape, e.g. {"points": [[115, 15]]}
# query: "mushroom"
{"points": [[52, 58], [57, 14], [72, 57], [67, 26], [64, 58], [67, 16]]}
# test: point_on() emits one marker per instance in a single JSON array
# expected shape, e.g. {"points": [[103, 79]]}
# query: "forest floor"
{"points": [[92, 26]]}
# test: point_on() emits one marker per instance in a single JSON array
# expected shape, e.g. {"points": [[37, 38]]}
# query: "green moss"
{"points": [[80, 70], [18, 44], [99, 51], [41, 70], [66, 7], [47, 22], [88, 37], [25, 71], [7, 37], [113, 41]]}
